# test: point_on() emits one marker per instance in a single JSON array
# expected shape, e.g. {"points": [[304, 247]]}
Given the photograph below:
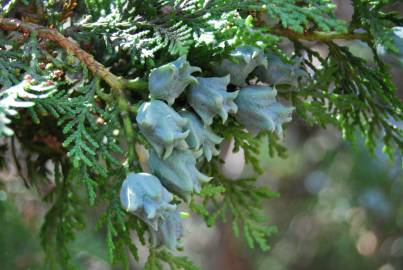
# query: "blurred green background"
{"points": [[339, 208]]}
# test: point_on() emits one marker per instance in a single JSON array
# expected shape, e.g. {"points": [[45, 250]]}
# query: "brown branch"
{"points": [[116, 82], [17, 163], [320, 36], [72, 47]]}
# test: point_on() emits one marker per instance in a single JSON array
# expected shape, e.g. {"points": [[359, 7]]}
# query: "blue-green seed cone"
{"points": [[170, 80], [163, 128], [242, 62], [178, 173], [258, 110], [169, 233], [143, 195], [284, 75], [201, 136], [209, 98]]}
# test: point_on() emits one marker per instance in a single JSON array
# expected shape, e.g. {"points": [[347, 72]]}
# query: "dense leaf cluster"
{"points": [[72, 100]]}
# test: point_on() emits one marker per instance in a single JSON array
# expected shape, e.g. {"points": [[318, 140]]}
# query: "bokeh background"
{"points": [[339, 208]]}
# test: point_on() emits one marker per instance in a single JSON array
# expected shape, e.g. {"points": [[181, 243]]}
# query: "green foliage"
{"points": [[14, 235], [17, 97], [84, 124], [62, 221], [365, 100], [158, 258], [241, 200], [370, 16], [244, 140], [116, 238], [251, 145], [358, 99], [143, 30], [88, 129], [299, 17], [10, 67]]}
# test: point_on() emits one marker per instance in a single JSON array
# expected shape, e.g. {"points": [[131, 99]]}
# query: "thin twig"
{"points": [[72, 47], [319, 36], [17, 163]]}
